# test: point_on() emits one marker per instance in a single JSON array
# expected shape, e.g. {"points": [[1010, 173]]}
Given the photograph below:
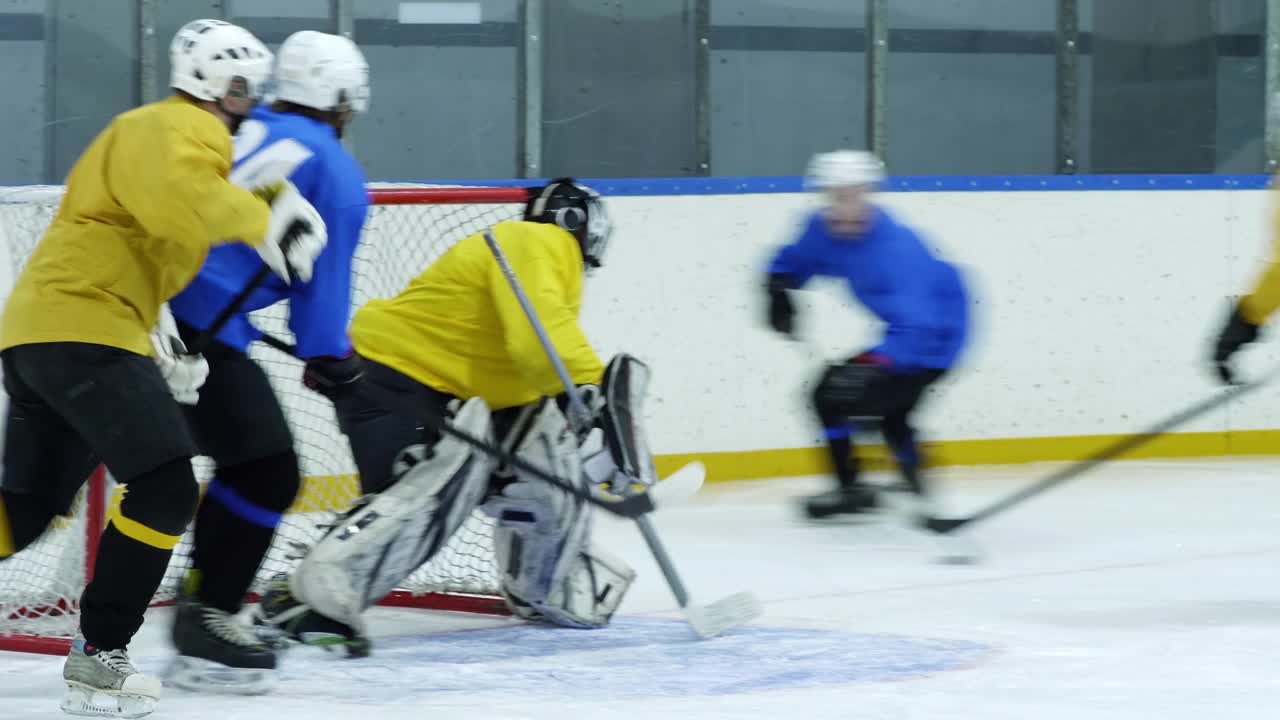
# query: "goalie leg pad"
{"points": [[586, 597], [543, 535], [376, 547]]}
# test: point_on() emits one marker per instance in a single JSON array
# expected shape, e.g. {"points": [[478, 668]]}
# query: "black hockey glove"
{"points": [[332, 376], [782, 313], [1237, 333]]}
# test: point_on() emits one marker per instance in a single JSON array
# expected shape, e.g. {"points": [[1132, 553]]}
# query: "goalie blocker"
{"points": [[420, 487]]}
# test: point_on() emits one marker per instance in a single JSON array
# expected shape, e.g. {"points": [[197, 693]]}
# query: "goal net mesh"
{"points": [[408, 228]]}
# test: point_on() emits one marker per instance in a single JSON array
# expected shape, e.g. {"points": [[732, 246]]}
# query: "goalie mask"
{"points": [[576, 208]]}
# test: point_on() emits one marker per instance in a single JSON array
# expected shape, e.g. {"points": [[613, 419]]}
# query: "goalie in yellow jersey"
{"points": [[456, 343], [92, 366]]}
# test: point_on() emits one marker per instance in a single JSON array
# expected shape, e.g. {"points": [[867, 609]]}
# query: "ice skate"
{"points": [[104, 683], [281, 618], [218, 654], [848, 499]]}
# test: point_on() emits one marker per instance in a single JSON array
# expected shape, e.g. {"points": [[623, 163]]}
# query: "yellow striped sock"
{"points": [[137, 531]]}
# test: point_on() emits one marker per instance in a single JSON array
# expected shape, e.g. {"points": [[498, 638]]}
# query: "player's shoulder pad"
{"points": [[180, 116], [341, 173]]}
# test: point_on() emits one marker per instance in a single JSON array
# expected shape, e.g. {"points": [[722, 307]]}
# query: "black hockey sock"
{"points": [[901, 439], [134, 553], [843, 462], [125, 577], [235, 525]]}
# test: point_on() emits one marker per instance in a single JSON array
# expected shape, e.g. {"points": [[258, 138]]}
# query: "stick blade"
{"points": [[942, 526], [678, 486], [711, 620]]}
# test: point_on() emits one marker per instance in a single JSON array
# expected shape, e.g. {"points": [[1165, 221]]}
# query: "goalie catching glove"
{"points": [[184, 373], [295, 233]]}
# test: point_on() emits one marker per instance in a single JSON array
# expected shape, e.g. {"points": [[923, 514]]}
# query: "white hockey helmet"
{"points": [[207, 55], [322, 71], [844, 168]]}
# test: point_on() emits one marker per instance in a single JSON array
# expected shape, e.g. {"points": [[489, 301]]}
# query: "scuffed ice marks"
{"points": [[634, 658]]}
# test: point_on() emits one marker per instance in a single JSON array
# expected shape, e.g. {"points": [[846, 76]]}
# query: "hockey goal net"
{"points": [[408, 228]]}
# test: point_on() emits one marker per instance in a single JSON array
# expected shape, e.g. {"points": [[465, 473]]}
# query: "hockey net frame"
{"points": [[100, 496]]}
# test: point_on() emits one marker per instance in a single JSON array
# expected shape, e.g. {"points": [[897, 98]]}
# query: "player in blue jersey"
{"points": [[321, 81], [920, 299]]}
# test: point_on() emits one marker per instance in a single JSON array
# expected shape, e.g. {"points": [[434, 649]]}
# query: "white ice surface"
{"points": [[1144, 590]]}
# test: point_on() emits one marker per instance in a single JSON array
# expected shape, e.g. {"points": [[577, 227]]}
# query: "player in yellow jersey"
{"points": [[456, 343], [1250, 314], [143, 205]]}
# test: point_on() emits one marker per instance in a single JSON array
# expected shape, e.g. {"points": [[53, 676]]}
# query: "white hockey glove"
{"points": [[295, 235], [184, 373]]}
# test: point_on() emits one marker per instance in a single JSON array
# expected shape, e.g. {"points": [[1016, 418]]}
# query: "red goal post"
{"points": [[408, 228]]}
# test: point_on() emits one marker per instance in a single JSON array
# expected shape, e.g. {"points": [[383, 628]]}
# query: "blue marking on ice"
{"points": [[633, 658]]}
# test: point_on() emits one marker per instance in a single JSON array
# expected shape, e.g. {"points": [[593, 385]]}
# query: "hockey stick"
{"points": [[677, 487], [275, 342], [1080, 467], [207, 335], [708, 620]]}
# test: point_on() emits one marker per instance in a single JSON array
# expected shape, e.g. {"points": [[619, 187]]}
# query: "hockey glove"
{"points": [[295, 235], [1237, 333], [782, 313], [184, 373], [332, 376]]}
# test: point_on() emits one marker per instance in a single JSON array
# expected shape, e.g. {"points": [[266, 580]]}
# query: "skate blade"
{"points": [[92, 702], [198, 675]]}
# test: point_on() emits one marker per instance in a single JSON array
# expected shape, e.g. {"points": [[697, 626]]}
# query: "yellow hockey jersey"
{"points": [[1262, 301], [459, 328], [142, 206]]}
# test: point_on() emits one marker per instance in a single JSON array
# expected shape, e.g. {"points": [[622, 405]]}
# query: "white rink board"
{"points": [[1095, 312]]}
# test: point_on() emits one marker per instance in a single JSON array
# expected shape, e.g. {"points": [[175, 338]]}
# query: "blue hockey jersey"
{"points": [[272, 145], [920, 298]]}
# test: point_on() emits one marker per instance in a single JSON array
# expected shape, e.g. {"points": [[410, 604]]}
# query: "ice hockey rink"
{"points": [[1143, 590]]}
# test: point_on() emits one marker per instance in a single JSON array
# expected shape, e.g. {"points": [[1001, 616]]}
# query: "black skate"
{"points": [[216, 653], [847, 500], [281, 617]]}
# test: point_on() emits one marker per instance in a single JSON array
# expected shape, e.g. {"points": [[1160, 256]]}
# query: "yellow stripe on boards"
{"points": [[791, 462], [6, 534], [143, 534]]}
